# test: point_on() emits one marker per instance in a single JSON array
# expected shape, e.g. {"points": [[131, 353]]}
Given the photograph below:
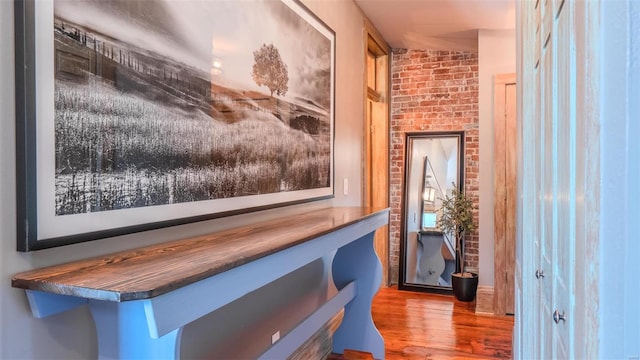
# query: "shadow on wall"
{"points": [[243, 328]]}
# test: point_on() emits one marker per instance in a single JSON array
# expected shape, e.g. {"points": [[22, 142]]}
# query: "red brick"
{"points": [[444, 96]]}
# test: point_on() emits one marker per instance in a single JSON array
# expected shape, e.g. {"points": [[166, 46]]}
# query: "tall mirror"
{"points": [[433, 164]]}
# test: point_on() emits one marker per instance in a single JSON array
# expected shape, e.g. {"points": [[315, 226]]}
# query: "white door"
{"points": [[548, 182], [566, 157], [578, 211], [528, 244]]}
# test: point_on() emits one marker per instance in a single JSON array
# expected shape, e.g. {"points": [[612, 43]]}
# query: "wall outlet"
{"points": [[345, 187], [275, 337]]}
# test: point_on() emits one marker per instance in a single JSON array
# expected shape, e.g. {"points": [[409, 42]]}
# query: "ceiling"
{"points": [[437, 24]]}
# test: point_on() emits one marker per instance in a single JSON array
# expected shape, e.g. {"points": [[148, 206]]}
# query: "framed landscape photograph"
{"points": [[137, 115]]}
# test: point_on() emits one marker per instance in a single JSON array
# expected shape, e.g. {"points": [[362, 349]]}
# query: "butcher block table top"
{"points": [[151, 271]]}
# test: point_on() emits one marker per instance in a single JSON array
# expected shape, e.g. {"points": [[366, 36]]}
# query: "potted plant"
{"points": [[456, 218]]}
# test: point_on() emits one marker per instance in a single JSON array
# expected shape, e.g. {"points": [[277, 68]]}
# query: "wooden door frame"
{"points": [[374, 43], [504, 257]]}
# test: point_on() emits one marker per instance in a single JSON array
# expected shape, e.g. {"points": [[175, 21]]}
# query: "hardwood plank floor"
{"points": [[430, 326]]}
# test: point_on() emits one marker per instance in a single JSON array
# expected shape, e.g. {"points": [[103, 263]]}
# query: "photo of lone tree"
{"points": [[171, 106], [269, 70]]}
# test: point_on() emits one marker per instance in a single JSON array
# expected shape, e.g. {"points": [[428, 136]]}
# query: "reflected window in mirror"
{"points": [[429, 220]]}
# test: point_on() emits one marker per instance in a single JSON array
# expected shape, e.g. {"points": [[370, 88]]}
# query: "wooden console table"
{"points": [[137, 297]]}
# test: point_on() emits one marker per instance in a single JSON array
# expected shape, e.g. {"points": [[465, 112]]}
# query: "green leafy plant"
{"points": [[457, 218]]}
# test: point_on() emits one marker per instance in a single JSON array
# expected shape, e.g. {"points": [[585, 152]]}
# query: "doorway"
{"points": [[376, 137], [505, 188]]}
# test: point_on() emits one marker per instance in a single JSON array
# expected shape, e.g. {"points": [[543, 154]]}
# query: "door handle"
{"points": [[539, 274], [557, 316]]}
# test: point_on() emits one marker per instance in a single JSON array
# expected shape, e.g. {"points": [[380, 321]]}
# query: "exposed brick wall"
{"points": [[433, 91]]}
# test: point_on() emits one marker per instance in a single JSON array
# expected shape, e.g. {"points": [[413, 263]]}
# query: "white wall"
{"points": [[496, 55], [71, 335], [618, 311]]}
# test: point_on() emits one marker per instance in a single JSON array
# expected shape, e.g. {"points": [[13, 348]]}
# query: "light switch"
{"points": [[345, 187]]}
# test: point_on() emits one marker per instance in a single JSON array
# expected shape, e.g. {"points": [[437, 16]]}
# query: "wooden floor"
{"points": [[428, 326]]}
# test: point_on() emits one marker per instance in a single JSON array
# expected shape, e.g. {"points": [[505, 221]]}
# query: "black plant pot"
{"points": [[464, 288]]}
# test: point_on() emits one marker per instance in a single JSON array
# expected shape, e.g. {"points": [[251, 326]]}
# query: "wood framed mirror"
{"points": [[434, 164]]}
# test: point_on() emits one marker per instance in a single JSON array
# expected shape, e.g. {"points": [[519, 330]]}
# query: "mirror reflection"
{"points": [[432, 167]]}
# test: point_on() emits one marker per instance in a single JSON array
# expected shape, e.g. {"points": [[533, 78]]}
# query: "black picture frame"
{"points": [[305, 117]]}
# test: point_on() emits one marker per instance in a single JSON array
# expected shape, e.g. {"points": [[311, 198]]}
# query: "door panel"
{"points": [[547, 196], [554, 154], [525, 342], [379, 140], [376, 135], [565, 196], [536, 196], [535, 158], [505, 192], [511, 171]]}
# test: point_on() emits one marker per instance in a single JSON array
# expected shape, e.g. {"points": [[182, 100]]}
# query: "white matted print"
{"points": [[161, 112]]}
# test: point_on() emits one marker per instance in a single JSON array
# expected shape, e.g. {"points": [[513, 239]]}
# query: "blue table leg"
{"points": [[358, 262], [123, 332]]}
